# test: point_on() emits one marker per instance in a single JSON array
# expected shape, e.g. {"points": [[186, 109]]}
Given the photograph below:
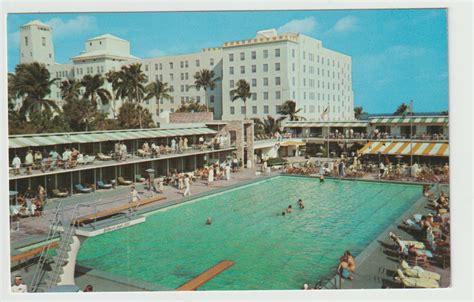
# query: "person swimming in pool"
{"points": [[289, 209], [321, 178], [300, 203], [209, 221]]}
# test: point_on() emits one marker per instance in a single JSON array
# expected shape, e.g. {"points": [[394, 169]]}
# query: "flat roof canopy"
{"points": [[35, 140], [408, 120], [308, 124]]}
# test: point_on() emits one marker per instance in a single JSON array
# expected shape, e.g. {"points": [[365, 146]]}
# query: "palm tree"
{"points": [[241, 92], [270, 125], [158, 90], [358, 111], [288, 109], [191, 106], [205, 79], [93, 89], [402, 109], [112, 78], [70, 90], [32, 83], [130, 85]]}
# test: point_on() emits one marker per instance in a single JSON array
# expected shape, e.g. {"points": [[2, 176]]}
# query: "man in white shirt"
{"points": [[16, 163], [19, 287]]}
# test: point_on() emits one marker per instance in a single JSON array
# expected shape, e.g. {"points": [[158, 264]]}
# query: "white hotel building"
{"points": [[277, 67]]}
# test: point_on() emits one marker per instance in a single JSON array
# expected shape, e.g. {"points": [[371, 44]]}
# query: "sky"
{"points": [[397, 55]]}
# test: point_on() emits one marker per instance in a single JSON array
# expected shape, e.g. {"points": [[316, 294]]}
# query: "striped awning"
{"points": [[292, 143], [406, 148], [407, 120], [24, 141], [325, 124]]}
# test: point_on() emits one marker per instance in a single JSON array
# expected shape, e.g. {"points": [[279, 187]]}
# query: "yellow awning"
{"points": [[292, 143], [406, 148]]}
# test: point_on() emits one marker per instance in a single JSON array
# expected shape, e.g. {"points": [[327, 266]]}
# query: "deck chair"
{"points": [[80, 188], [416, 282], [405, 243], [418, 272], [89, 159], [123, 182], [102, 185], [139, 178], [59, 194], [102, 156]]}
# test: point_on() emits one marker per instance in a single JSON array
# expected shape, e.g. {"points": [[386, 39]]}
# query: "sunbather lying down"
{"points": [[418, 272], [406, 243], [416, 282]]}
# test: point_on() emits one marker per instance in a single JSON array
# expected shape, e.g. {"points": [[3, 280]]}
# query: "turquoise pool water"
{"points": [[271, 251]]}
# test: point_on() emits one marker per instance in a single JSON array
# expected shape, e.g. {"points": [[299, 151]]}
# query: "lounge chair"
{"points": [[102, 156], [405, 243], [416, 282], [89, 159], [139, 178], [418, 272], [59, 194], [80, 188], [413, 225], [123, 182], [102, 185]]}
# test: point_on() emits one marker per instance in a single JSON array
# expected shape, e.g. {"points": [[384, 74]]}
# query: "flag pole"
{"points": [[411, 133]]}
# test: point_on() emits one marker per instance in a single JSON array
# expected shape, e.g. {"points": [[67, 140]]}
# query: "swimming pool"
{"points": [[270, 251]]}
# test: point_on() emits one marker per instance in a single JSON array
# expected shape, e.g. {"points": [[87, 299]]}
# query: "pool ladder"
{"points": [[50, 278]]}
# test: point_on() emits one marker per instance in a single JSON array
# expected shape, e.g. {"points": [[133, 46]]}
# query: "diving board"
{"points": [[33, 252], [110, 212], [203, 278]]}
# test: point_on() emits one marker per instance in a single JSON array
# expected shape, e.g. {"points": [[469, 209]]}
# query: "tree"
{"points": [[446, 112], [32, 83], [358, 111], [93, 89], [129, 114], [80, 114], [269, 126], [191, 106], [70, 90], [205, 79], [158, 90], [242, 91], [113, 78], [401, 109], [130, 85], [288, 109]]}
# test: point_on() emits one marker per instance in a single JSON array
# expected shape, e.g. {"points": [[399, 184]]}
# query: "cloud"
{"points": [[304, 26], [406, 51], [77, 25], [347, 23], [155, 53]]}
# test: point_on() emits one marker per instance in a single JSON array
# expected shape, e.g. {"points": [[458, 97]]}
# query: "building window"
{"points": [[26, 41], [156, 66], [254, 68], [265, 81], [211, 62], [186, 76], [243, 110], [277, 52], [181, 64], [277, 66], [212, 99], [198, 99], [277, 95], [242, 56], [186, 64], [231, 83], [304, 95], [265, 67], [231, 57], [254, 55], [265, 109], [43, 41], [265, 53], [265, 95], [293, 53], [232, 110], [294, 95], [254, 109], [277, 81], [198, 63], [254, 96], [50, 56], [231, 70], [293, 67], [242, 69], [304, 55], [171, 65], [254, 82], [161, 66]]}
